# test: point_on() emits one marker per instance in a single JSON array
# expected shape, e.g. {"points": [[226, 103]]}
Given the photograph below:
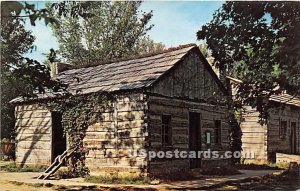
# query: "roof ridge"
{"points": [[171, 49]]}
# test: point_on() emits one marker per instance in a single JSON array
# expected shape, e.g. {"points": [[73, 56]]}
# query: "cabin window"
{"points": [[166, 130], [218, 131], [282, 129], [207, 137]]}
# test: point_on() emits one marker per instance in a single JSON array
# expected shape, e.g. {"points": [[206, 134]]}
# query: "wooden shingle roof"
{"points": [[129, 74], [286, 99], [283, 98], [123, 75]]}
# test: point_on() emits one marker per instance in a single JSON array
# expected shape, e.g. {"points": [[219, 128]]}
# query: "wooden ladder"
{"points": [[59, 160]]}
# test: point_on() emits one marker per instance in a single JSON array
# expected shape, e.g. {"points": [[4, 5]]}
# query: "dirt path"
{"points": [[29, 178], [7, 186], [282, 182]]}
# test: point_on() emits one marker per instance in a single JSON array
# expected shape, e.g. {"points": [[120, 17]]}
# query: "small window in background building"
{"points": [[207, 137], [218, 131], [282, 129], [293, 125], [166, 130]]}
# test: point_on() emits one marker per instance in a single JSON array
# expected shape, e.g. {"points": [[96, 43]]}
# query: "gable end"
{"points": [[191, 77]]}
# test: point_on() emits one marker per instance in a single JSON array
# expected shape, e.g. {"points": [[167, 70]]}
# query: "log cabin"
{"points": [[165, 101], [279, 139]]}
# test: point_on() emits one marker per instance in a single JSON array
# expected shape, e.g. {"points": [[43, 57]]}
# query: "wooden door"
{"points": [[293, 138], [59, 143], [195, 137]]}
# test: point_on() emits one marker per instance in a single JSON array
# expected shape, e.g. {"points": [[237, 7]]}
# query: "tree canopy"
{"points": [[20, 76], [115, 30], [257, 42], [15, 41]]}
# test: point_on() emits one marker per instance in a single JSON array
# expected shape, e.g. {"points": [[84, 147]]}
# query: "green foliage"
{"points": [[78, 113], [15, 41], [235, 137], [74, 9], [5, 140], [257, 42], [114, 30], [63, 174], [28, 76], [19, 76], [147, 45], [115, 179], [12, 167]]}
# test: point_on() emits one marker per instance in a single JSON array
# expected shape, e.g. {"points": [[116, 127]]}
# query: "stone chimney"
{"points": [[57, 67]]}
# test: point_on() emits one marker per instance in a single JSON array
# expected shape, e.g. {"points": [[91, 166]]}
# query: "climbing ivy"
{"points": [[235, 136], [78, 113]]}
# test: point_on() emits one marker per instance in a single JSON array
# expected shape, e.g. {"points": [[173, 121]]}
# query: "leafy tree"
{"points": [[115, 29], [20, 76], [13, 47], [147, 45], [15, 41], [257, 42]]}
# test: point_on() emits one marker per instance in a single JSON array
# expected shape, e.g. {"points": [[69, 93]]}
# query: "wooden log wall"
{"points": [[33, 135], [190, 79], [265, 140], [275, 143], [254, 138], [122, 129], [287, 158], [179, 110]]}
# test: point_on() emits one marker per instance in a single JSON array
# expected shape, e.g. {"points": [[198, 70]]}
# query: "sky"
{"points": [[175, 23]]}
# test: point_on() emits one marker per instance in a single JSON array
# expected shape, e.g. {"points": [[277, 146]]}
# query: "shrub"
{"points": [[7, 148], [64, 173]]}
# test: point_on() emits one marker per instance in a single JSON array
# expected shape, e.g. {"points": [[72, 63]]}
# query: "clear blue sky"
{"points": [[175, 23]]}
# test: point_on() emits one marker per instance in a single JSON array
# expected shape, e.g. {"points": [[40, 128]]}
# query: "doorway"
{"points": [[59, 142], [195, 137], [293, 138]]}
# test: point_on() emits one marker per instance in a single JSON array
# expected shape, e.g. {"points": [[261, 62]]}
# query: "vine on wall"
{"points": [[235, 136], [78, 113]]}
